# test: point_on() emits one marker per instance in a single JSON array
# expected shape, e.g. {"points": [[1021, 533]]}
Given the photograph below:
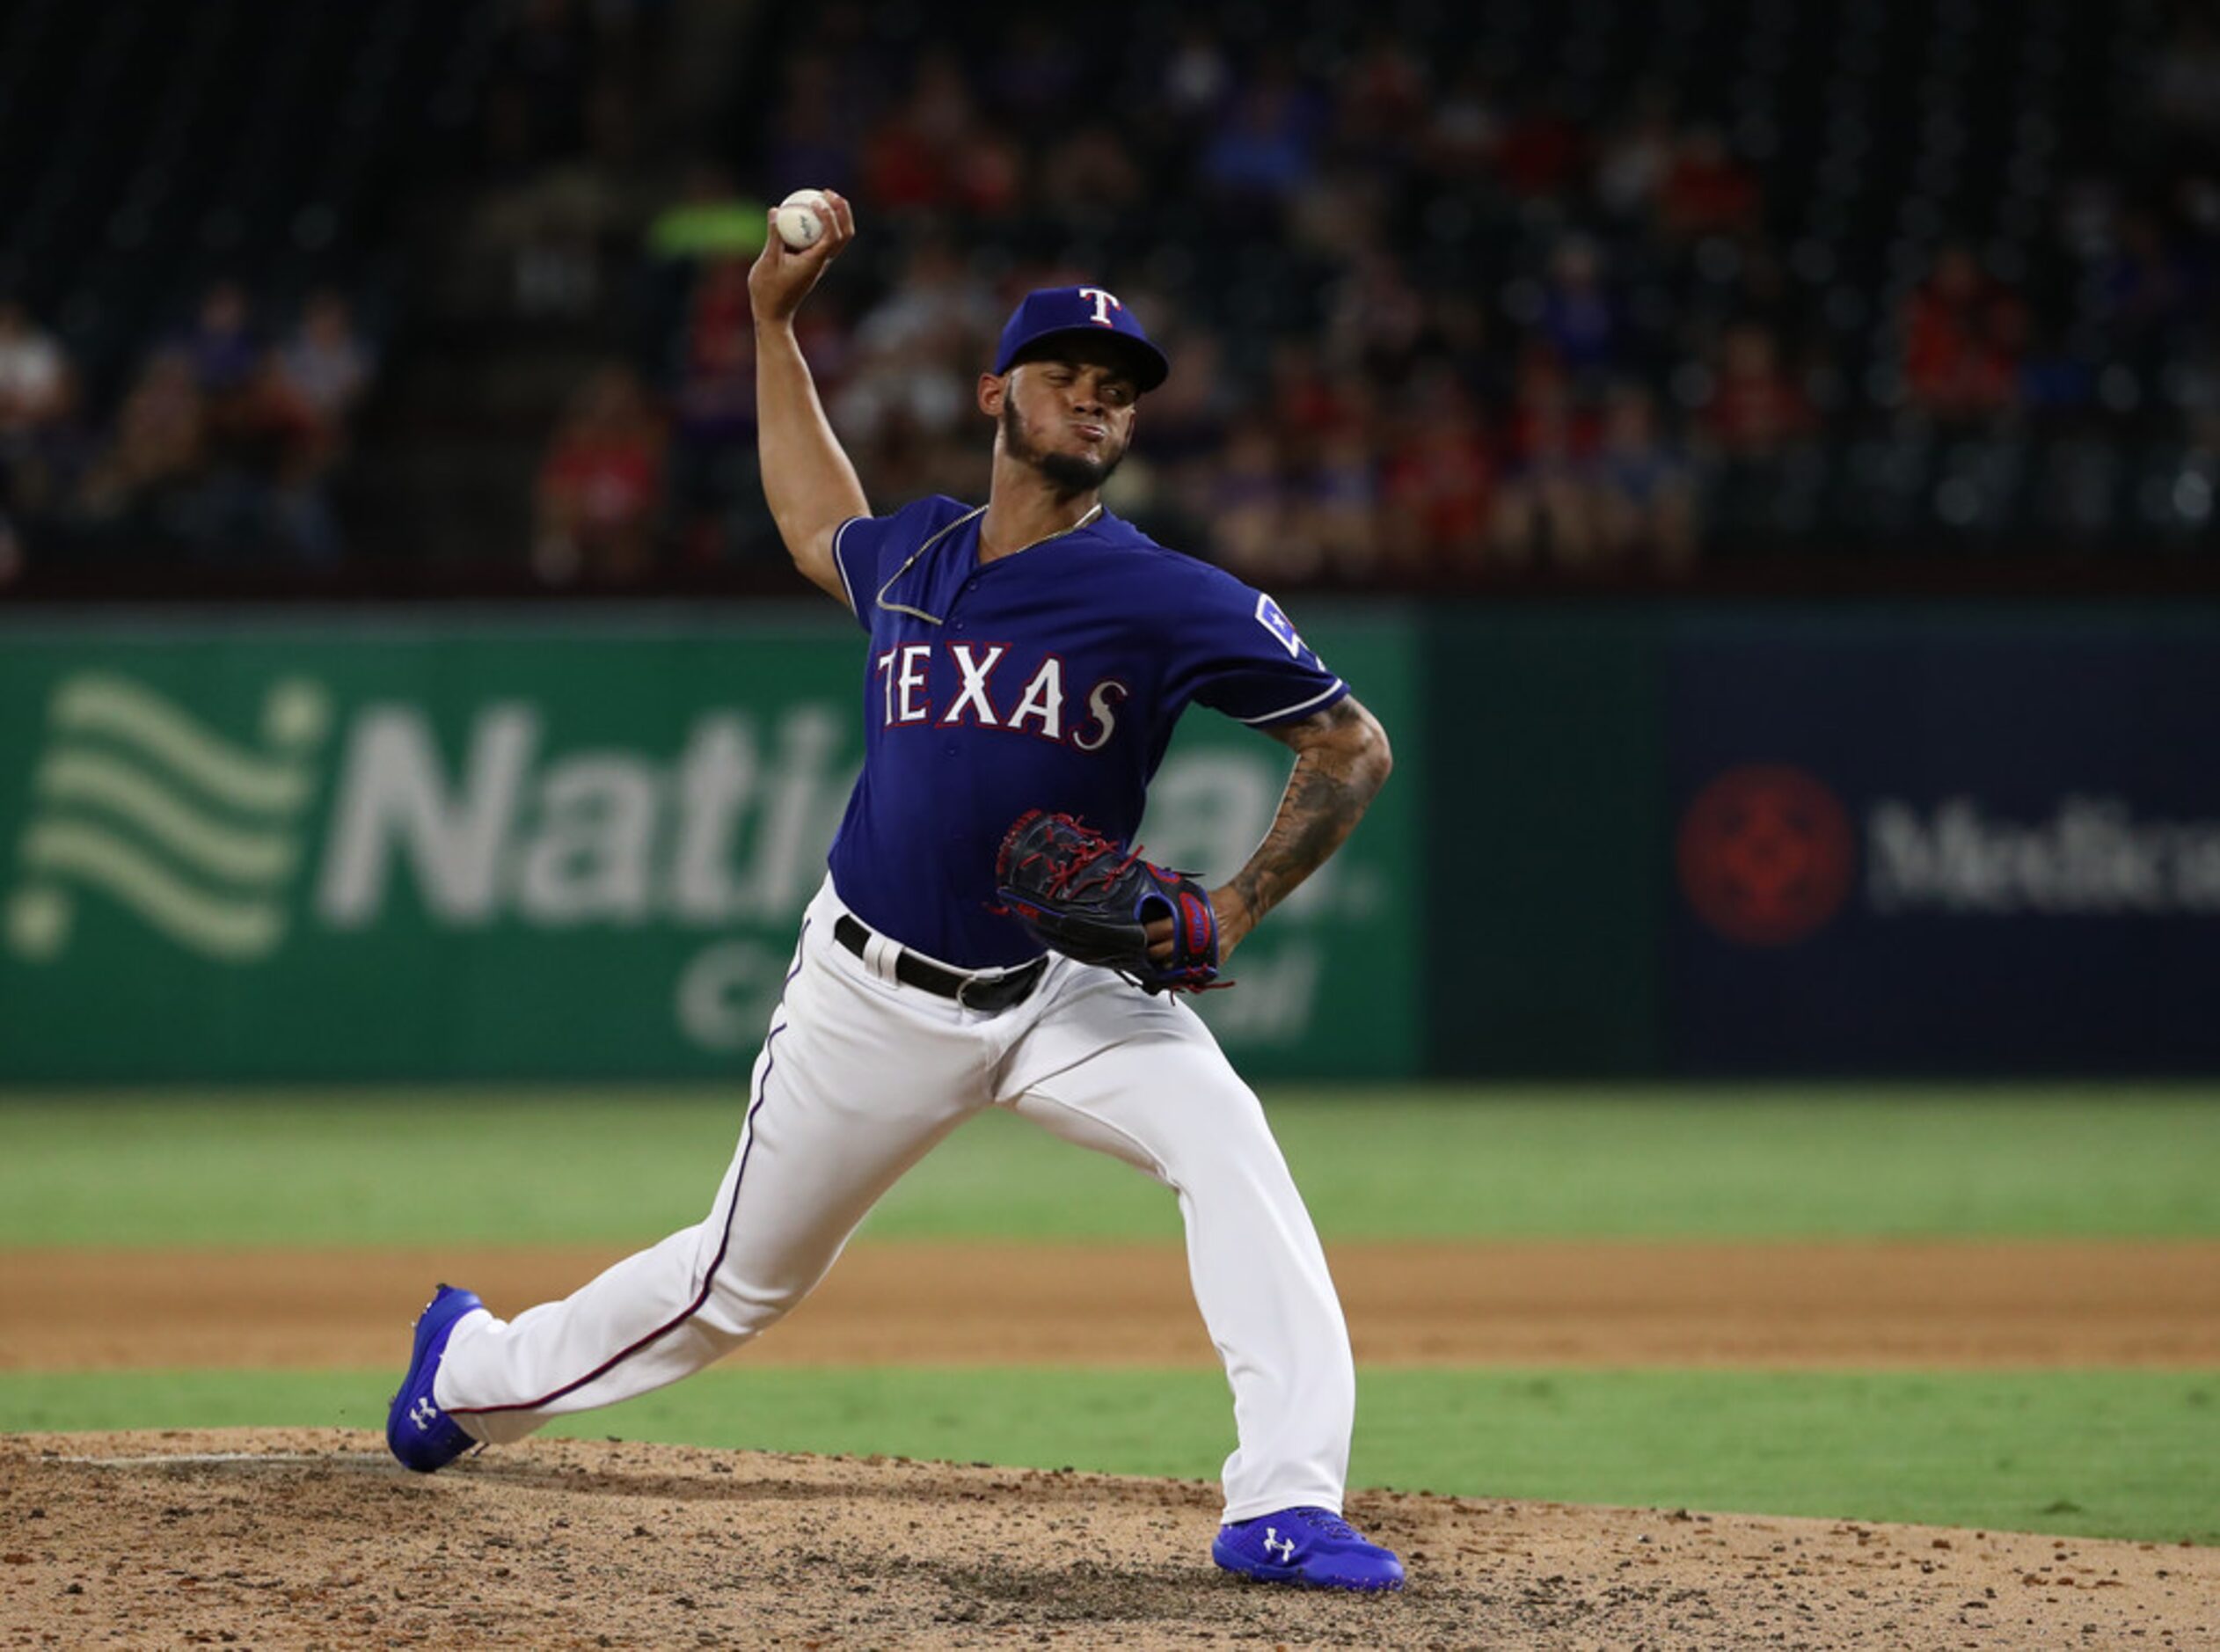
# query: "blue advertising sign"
{"points": [[1942, 844]]}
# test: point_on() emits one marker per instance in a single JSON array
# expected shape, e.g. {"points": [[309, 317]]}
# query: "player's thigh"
{"points": [[856, 1082], [1142, 1079]]}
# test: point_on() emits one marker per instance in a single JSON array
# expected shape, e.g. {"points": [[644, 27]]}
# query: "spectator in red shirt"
{"points": [[908, 159], [1756, 415], [1439, 483], [1544, 507], [1381, 104], [1541, 150], [601, 485], [1305, 401], [1961, 333], [935, 151], [1706, 191], [1757, 409]]}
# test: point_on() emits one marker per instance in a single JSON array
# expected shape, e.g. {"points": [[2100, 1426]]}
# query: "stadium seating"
{"points": [[155, 149]]}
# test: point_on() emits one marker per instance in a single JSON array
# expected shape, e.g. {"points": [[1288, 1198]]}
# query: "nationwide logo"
{"points": [[1766, 855], [195, 831]]}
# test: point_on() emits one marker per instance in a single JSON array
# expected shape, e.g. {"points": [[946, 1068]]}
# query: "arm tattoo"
{"points": [[1341, 761]]}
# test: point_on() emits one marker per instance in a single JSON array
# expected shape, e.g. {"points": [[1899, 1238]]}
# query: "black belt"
{"points": [[991, 992]]}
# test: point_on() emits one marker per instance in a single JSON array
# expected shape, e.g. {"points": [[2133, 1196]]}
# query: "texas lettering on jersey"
{"points": [[1050, 679], [1038, 708]]}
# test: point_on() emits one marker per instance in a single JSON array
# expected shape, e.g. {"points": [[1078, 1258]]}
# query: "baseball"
{"points": [[802, 219]]}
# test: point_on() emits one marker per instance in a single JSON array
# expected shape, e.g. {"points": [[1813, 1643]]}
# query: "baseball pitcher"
{"points": [[985, 937]]}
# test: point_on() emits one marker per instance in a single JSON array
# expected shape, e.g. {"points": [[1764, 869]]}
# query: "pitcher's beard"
{"points": [[1068, 473]]}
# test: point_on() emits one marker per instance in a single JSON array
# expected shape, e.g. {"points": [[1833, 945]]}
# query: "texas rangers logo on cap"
{"points": [[1053, 312]]}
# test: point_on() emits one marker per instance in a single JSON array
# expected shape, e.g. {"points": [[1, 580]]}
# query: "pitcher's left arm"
{"points": [[1341, 759]]}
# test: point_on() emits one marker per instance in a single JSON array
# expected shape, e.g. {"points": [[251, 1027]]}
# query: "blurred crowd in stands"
{"points": [[1434, 312], [1427, 319], [220, 447]]}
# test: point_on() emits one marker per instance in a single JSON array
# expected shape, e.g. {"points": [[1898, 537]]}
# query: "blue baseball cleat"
{"points": [[1313, 1547], [421, 1436]]}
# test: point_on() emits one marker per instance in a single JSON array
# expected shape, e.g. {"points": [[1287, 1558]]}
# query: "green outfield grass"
{"points": [[2118, 1454], [430, 1166]]}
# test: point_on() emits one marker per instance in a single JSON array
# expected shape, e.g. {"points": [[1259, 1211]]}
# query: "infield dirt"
{"points": [[2052, 1302], [316, 1539]]}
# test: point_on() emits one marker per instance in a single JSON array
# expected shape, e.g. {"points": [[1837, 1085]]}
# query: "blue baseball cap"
{"points": [[1052, 311]]}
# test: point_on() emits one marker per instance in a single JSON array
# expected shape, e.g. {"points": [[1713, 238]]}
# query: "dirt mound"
{"points": [[315, 1538]]}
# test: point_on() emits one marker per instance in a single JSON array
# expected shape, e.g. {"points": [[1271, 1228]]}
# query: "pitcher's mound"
{"points": [[301, 1539]]}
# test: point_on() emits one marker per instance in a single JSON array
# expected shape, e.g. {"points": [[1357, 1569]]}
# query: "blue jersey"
{"points": [[1049, 679]]}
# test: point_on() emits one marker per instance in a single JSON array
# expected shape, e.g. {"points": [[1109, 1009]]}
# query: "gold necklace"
{"points": [[1096, 510]]}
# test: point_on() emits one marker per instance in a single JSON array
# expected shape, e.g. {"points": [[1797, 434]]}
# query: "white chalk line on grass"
{"points": [[158, 1458]]}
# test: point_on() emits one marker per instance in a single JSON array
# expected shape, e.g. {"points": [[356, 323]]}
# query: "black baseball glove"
{"points": [[1092, 899]]}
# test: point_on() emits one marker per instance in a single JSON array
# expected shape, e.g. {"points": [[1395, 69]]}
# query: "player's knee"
{"points": [[1221, 1171], [737, 1309]]}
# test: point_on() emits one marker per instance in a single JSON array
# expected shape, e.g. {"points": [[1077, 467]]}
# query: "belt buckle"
{"points": [[1002, 981]]}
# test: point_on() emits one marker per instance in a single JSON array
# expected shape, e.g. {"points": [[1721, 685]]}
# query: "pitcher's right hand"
{"points": [[781, 278]]}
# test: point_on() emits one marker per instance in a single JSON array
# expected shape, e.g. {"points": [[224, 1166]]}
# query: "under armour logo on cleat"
{"points": [[1284, 1547], [424, 1414]]}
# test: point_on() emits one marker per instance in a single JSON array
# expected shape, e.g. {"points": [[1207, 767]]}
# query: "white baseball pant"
{"points": [[859, 1078]]}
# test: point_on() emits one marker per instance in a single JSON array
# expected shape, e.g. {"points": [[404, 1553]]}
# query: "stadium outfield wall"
{"points": [[1677, 840]]}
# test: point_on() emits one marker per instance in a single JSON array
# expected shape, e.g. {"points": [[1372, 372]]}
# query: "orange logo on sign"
{"points": [[1766, 855]]}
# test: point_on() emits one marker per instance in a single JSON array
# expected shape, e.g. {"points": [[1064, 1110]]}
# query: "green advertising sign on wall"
{"points": [[496, 850], [1550, 778]]}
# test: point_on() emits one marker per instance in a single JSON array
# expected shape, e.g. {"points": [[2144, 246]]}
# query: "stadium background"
{"points": [[1758, 458]]}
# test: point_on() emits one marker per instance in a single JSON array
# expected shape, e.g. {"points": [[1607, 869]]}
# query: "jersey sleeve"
{"points": [[854, 547], [867, 550], [1242, 657]]}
